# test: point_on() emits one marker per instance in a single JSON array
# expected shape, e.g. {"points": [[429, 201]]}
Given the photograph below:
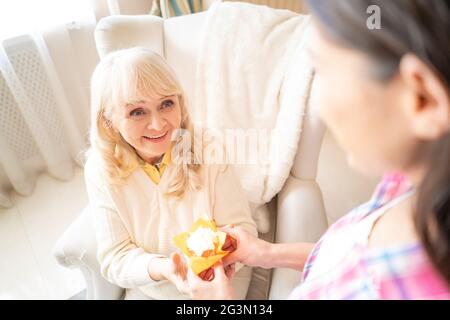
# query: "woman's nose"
{"points": [[156, 123]]}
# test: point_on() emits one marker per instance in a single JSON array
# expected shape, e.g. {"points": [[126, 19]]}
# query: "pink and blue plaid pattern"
{"points": [[400, 272]]}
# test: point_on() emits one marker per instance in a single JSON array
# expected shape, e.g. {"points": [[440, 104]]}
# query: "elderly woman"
{"points": [[141, 194]]}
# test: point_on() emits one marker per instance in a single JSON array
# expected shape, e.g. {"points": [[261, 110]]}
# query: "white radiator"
{"points": [[37, 130]]}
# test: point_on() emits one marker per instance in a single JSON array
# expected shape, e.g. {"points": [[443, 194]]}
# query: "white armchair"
{"points": [[297, 213]]}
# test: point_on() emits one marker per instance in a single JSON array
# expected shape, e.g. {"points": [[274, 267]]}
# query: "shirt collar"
{"points": [[166, 160], [155, 171]]}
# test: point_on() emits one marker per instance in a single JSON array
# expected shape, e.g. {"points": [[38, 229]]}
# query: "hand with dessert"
{"points": [[247, 249], [204, 245], [218, 288], [213, 252], [173, 269]]}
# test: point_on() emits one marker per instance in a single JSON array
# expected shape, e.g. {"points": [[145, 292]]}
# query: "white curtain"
{"points": [[44, 118]]}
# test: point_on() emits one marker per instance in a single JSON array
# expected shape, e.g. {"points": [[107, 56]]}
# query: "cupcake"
{"points": [[202, 244]]}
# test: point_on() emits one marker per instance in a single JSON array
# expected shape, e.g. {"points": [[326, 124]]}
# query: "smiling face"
{"points": [[141, 102], [147, 125]]}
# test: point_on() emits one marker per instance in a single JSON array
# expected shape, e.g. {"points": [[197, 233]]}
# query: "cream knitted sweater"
{"points": [[135, 222]]}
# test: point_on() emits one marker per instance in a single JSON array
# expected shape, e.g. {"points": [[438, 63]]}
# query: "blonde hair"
{"points": [[131, 75]]}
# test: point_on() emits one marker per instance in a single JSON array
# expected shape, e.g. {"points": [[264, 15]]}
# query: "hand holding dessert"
{"points": [[218, 288], [173, 269], [204, 245], [247, 249]]}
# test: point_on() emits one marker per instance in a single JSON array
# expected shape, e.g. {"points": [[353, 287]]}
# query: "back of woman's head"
{"points": [[421, 28]]}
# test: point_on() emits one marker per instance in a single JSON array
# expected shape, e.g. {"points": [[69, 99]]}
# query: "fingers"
{"points": [[192, 278], [207, 275], [226, 245], [233, 238], [221, 272], [230, 271], [229, 259], [175, 257], [230, 230], [227, 226], [230, 244], [179, 264]]}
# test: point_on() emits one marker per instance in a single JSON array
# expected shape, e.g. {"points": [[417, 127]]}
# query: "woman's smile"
{"points": [[157, 138]]}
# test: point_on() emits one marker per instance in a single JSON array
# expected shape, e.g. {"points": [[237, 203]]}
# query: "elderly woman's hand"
{"points": [[176, 273], [218, 286], [173, 269]]}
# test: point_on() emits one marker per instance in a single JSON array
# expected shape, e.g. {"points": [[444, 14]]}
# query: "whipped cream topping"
{"points": [[201, 240]]}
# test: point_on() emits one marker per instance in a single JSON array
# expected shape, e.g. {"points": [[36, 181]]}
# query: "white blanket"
{"points": [[253, 73]]}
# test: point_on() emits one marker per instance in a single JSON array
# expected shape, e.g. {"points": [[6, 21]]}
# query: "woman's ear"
{"points": [[108, 124], [427, 98]]}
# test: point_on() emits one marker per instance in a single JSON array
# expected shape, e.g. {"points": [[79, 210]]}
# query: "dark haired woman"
{"points": [[385, 96]]}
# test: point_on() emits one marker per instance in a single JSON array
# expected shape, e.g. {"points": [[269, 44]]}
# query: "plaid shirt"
{"points": [[397, 272]]}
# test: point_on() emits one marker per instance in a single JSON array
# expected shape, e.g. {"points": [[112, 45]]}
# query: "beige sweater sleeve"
{"points": [[121, 261], [230, 205]]}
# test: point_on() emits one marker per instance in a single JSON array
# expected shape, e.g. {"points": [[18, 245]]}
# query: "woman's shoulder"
{"points": [[405, 272], [93, 164], [94, 169], [393, 186]]}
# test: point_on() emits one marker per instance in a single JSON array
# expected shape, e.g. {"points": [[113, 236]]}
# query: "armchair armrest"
{"points": [[301, 218], [77, 248]]}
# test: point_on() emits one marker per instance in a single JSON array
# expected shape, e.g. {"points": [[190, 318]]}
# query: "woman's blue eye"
{"points": [[137, 112], [166, 104]]}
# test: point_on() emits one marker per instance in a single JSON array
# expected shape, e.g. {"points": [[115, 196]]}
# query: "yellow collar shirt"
{"points": [[155, 172]]}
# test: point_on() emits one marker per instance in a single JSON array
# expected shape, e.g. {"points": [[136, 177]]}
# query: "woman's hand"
{"points": [[244, 248], [230, 245], [176, 272], [173, 269], [218, 287]]}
